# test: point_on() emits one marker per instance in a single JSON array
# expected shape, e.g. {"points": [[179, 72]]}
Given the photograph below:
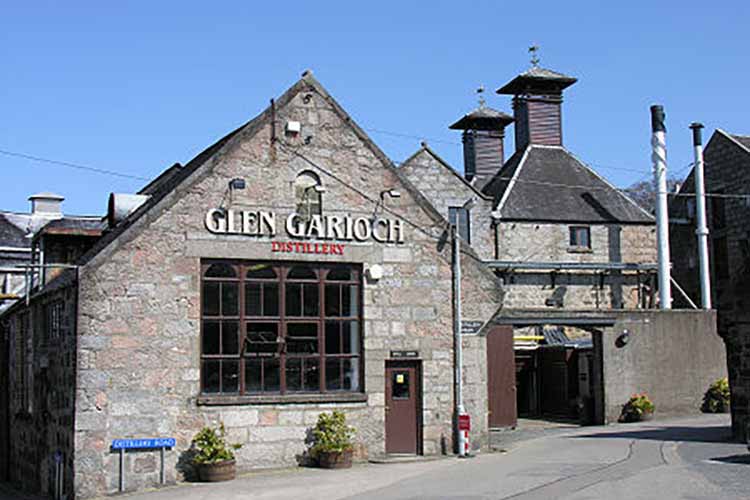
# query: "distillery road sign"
{"points": [[143, 444], [470, 327]]}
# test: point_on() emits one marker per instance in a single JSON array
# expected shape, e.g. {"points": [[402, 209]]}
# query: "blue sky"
{"points": [[135, 86]]}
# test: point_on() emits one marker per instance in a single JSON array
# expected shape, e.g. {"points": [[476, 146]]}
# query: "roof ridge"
{"points": [[732, 138], [512, 181]]}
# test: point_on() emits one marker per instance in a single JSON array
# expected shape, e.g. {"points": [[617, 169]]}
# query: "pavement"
{"points": [[687, 458]]}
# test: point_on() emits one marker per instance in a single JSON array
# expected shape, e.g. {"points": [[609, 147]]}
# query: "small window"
{"points": [[580, 237], [691, 208], [308, 194], [461, 215], [718, 211]]}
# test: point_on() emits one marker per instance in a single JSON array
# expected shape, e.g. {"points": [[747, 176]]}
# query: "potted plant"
{"points": [[214, 458], [638, 408], [716, 399], [332, 441]]}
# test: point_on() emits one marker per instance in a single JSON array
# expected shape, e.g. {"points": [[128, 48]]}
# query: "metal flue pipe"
{"points": [[701, 229], [659, 159]]}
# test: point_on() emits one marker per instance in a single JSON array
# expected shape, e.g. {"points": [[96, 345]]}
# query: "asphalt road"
{"points": [[672, 459]]}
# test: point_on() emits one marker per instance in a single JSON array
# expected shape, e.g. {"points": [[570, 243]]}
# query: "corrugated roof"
{"points": [[547, 183]]}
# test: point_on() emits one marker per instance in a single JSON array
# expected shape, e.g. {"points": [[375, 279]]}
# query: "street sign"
{"points": [[143, 444], [464, 423], [471, 327]]}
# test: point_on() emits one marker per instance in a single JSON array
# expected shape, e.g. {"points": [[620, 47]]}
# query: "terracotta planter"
{"points": [[335, 459], [217, 471]]}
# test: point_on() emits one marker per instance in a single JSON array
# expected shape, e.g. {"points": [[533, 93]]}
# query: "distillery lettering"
{"points": [[323, 227]]}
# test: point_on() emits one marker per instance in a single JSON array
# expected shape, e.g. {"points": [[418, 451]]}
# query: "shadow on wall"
{"points": [[186, 467]]}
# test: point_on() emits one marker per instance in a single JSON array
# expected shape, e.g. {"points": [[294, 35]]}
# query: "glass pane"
{"points": [[333, 374], [262, 338], [271, 374], [253, 374], [230, 298], [311, 299], [210, 337], [350, 337], [332, 300], [400, 385], [230, 376], [293, 374], [253, 305], [302, 338], [351, 374], [301, 273], [210, 299], [261, 271], [311, 375], [293, 299], [339, 274], [332, 337], [349, 300], [220, 271], [210, 376], [270, 299], [230, 341]]}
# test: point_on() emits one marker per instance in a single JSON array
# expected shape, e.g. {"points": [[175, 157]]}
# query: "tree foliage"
{"points": [[644, 192]]}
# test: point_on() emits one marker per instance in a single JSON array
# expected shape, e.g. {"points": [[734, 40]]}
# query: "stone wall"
{"points": [[445, 188], [41, 402], [736, 333], [673, 356], [139, 336], [545, 242]]}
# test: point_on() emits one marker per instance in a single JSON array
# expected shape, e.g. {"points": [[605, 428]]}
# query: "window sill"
{"points": [[269, 399], [580, 250]]}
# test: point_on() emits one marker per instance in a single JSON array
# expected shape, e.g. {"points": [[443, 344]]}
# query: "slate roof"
{"points": [[548, 183], [75, 225], [483, 118], [537, 77], [743, 139], [11, 235]]}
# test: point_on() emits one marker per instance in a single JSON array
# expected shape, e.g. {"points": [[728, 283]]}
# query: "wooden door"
{"points": [[402, 403], [501, 377], [554, 374]]}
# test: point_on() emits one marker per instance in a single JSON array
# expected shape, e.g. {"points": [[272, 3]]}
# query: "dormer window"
{"points": [[580, 238], [308, 193]]}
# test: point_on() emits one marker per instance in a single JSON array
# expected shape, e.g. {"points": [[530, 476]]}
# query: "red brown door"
{"points": [[402, 397], [501, 375]]}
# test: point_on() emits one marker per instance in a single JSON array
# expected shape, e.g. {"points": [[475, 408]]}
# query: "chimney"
{"points": [[483, 134], [537, 106], [46, 205]]}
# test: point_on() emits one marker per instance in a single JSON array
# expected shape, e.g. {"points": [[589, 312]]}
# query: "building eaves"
{"points": [[743, 141]]}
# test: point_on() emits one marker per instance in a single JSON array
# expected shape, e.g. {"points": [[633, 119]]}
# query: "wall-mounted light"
{"points": [[375, 272], [623, 339], [390, 192], [237, 184]]}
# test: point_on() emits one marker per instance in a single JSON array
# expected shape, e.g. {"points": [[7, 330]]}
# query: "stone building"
{"points": [[291, 269], [287, 270], [559, 236], [727, 175]]}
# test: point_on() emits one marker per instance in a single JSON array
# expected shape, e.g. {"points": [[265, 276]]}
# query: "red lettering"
{"points": [[325, 248], [275, 246]]}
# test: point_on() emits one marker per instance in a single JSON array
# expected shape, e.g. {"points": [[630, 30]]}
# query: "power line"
{"points": [[73, 165]]}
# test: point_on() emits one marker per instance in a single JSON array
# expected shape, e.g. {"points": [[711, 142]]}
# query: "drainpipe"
{"points": [[659, 158], [701, 229]]}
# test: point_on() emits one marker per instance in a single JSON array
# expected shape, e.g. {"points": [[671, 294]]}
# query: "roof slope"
{"points": [[548, 183], [743, 139], [11, 235]]}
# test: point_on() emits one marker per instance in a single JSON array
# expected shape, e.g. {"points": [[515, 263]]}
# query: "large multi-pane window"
{"points": [[270, 328]]}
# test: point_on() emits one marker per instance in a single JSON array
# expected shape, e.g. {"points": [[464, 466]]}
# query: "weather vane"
{"points": [[480, 92], [534, 51]]}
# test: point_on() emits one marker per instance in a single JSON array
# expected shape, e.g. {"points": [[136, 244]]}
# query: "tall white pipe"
{"points": [[458, 377], [659, 159], [701, 229]]}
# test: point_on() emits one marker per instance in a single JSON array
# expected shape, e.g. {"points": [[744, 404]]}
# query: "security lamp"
{"points": [[390, 192], [623, 339], [237, 184], [469, 204]]}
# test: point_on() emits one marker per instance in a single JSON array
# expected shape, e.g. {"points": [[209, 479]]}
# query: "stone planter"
{"points": [[217, 471], [335, 459]]}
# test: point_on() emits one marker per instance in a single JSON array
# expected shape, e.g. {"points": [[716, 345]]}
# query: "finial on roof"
{"points": [[480, 92], [534, 52], [307, 72]]}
